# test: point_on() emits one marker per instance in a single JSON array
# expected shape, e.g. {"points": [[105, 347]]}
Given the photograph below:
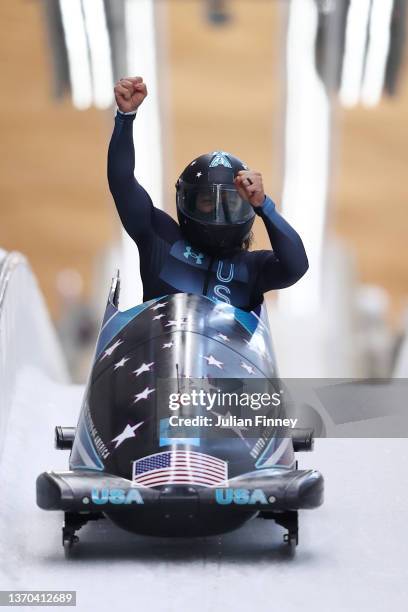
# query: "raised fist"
{"points": [[130, 93]]}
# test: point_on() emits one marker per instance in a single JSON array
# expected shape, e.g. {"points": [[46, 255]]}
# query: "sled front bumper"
{"points": [[88, 491]]}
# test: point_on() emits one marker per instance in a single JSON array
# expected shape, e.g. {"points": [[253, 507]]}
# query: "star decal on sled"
{"points": [[211, 360], [175, 322], [161, 305], [255, 347], [121, 363], [247, 367], [112, 348], [128, 432], [145, 367], [143, 395], [223, 337], [235, 428]]}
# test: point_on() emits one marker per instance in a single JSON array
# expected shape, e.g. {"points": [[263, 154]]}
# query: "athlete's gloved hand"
{"points": [[130, 93], [250, 187]]}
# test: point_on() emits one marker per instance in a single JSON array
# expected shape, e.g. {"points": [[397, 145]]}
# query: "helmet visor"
{"points": [[217, 204]]}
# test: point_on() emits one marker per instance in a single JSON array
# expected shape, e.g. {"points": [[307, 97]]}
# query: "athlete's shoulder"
{"points": [[165, 226]]}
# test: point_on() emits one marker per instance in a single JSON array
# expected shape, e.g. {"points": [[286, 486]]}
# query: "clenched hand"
{"points": [[250, 187], [130, 93]]}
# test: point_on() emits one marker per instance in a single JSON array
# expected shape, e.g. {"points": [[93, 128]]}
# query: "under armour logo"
{"points": [[198, 257]]}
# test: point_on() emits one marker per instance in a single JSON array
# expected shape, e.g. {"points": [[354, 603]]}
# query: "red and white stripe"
{"points": [[186, 467]]}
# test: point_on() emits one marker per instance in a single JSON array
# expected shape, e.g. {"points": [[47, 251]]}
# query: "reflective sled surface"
{"points": [[127, 464]]}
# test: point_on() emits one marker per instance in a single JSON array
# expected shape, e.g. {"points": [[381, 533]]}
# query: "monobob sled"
{"points": [[154, 462]]}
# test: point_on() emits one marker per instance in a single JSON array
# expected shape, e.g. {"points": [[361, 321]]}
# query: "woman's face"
{"points": [[204, 203]]}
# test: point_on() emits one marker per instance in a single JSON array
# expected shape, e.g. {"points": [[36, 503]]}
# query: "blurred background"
{"points": [[313, 93]]}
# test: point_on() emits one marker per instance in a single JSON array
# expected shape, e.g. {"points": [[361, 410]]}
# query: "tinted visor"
{"points": [[218, 204]]}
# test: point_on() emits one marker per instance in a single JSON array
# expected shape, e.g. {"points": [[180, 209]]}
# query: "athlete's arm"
{"points": [[287, 262], [133, 203]]}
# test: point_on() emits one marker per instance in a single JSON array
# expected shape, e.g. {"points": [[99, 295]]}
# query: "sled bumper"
{"points": [[88, 491]]}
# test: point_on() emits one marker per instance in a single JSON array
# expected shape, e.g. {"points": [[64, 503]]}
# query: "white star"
{"points": [[161, 305], [225, 338], [212, 361], [121, 363], [247, 367], [110, 350], [235, 428], [199, 174], [143, 395], [145, 367], [175, 322], [168, 345], [128, 432], [256, 349], [158, 317], [204, 383]]}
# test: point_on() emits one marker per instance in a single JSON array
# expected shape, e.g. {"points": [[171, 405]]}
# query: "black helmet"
{"points": [[211, 213]]}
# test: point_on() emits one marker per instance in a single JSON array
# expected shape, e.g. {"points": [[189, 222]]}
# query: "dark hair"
{"points": [[246, 245]]}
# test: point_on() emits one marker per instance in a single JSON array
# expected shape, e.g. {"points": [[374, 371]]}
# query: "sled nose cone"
{"points": [[48, 492], [311, 490]]}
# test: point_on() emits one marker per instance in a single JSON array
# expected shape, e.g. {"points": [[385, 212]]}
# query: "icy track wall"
{"points": [[27, 337]]}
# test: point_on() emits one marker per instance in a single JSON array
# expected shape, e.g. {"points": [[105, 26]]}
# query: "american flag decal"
{"points": [[179, 467]]}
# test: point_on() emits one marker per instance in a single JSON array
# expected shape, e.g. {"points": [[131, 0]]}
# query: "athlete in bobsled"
{"points": [[217, 200], [201, 323]]}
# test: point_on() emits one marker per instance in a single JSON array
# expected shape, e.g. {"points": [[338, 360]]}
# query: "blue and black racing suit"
{"points": [[169, 264]]}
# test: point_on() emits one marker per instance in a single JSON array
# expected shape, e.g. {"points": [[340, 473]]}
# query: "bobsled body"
{"points": [[128, 463]]}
